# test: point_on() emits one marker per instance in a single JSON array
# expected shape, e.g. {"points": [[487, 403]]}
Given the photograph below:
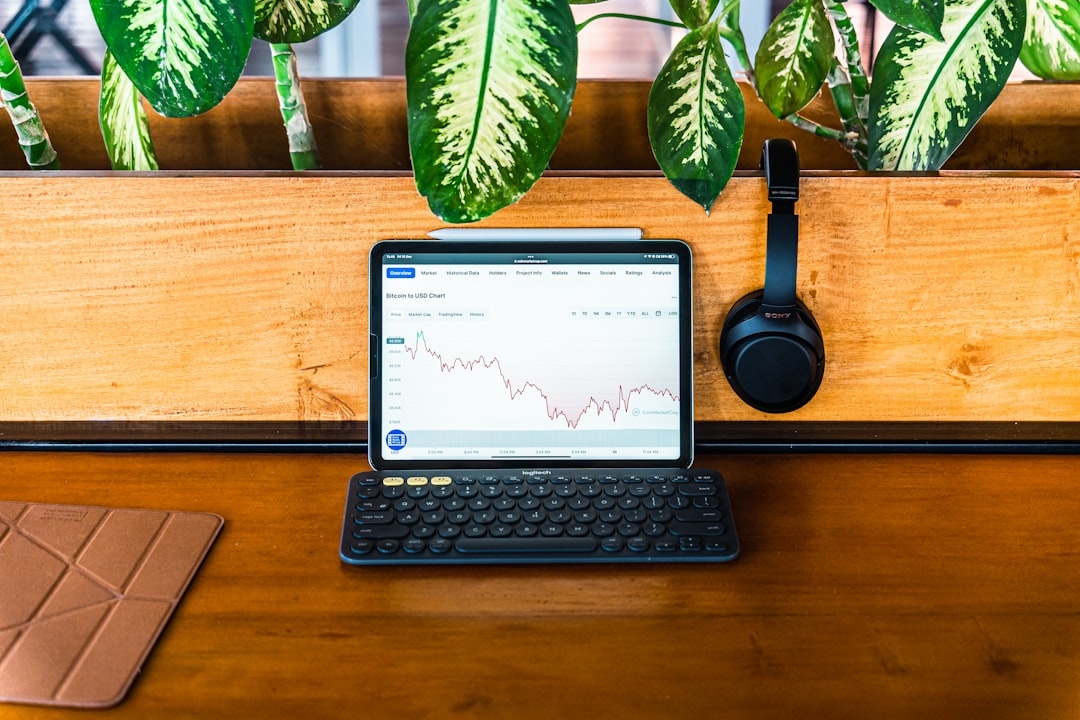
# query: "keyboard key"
{"points": [[388, 546], [690, 544], [678, 502], [697, 489], [362, 547], [654, 502], [526, 545], [375, 518], [637, 544], [560, 516], [653, 529], [699, 515], [393, 530], [695, 528]]}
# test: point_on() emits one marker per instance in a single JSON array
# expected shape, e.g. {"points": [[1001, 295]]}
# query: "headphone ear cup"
{"points": [[774, 360], [744, 308]]}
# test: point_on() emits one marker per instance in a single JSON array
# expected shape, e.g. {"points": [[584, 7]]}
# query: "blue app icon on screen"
{"points": [[395, 439]]}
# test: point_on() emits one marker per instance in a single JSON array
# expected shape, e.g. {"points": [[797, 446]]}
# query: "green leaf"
{"points": [[794, 57], [296, 21], [1052, 44], [489, 85], [696, 117], [925, 16], [694, 13], [183, 55], [123, 121], [926, 95]]}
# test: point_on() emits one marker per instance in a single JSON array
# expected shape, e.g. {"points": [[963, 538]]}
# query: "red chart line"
{"points": [[572, 417]]}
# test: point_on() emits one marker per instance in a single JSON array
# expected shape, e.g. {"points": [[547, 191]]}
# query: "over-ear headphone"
{"points": [[771, 347]]}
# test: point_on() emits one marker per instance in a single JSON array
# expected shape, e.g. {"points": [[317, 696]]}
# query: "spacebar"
{"points": [[526, 545]]}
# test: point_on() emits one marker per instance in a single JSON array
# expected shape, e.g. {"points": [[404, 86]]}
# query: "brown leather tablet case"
{"points": [[84, 594]]}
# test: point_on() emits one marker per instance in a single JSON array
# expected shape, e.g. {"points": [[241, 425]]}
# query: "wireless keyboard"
{"points": [[538, 516]]}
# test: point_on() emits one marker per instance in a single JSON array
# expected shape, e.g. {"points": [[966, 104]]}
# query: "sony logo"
{"points": [[777, 316]]}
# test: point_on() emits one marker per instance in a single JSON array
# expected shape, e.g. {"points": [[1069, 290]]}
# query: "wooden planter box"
{"points": [[202, 304]]}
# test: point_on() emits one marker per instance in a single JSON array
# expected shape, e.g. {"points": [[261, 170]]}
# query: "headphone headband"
{"points": [[780, 160]]}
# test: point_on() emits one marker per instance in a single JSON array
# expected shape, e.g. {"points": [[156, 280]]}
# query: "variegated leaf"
{"points": [[1052, 44], [926, 95], [694, 13], [794, 57], [696, 117], [123, 121], [183, 55], [296, 21], [922, 15], [489, 85]]}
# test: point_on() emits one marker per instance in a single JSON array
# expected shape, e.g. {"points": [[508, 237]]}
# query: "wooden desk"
{"points": [[869, 587]]}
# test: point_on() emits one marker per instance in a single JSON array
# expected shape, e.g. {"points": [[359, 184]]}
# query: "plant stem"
{"points": [[731, 30], [33, 139], [844, 100], [626, 16], [302, 149], [849, 41], [826, 132]]}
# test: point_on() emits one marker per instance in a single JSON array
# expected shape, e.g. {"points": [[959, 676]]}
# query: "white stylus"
{"points": [[536, 234]]}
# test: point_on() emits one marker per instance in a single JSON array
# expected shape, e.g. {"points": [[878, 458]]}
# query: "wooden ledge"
{"points": [[360, 124]]}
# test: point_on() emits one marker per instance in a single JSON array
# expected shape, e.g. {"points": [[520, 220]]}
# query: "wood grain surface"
{"points": [[361, 125], [201, 297], [869, 586]]}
